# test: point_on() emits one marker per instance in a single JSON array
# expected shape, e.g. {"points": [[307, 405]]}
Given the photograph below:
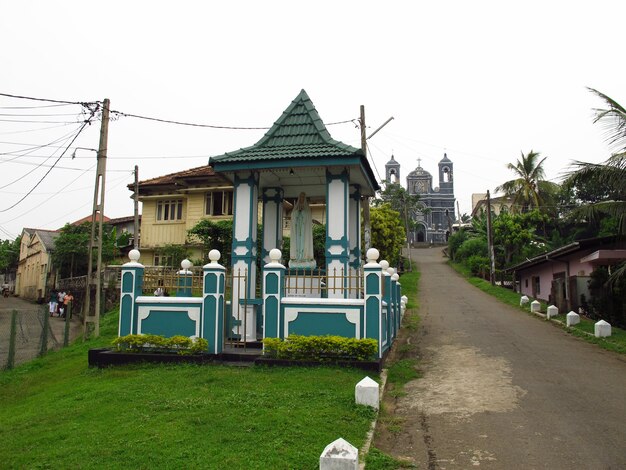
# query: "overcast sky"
{"points": [[482, 81]]}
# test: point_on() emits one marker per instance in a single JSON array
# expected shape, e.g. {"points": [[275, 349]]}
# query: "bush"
{"points": [[471, 247], [478, 265], [321, 348], [160, 344]]}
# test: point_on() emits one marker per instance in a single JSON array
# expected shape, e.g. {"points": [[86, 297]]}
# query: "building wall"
{"points": [[33, 269]]}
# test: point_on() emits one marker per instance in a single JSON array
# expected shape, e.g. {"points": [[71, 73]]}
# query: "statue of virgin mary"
{"points": [[301, 248]]}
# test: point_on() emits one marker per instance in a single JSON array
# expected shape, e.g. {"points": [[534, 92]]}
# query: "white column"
{"points": [[337, 245]]}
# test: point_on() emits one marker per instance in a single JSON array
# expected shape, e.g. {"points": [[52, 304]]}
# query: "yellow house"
{"points": [[175, 203], [35, 272]]}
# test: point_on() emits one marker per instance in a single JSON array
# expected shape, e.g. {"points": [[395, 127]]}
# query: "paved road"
{"points": [[29, 326], [502, 389]]}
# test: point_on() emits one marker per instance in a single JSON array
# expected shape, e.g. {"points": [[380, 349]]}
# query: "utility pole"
{"points": [[97, 216], [367, 231], [492, 261], [136, 199]]}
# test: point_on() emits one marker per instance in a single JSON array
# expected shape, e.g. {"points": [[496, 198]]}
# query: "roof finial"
{"points": [[419, 162]]}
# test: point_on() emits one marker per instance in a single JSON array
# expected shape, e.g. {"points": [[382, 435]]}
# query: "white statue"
{"points": [[301, 248]]}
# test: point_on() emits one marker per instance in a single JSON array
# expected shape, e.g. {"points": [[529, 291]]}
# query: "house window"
{"points": [[163, 260], [170, 209], [219, 203], [536, 286]]}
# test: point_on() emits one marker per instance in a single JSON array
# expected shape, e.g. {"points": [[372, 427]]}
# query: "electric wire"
{"points": [[56, 161]]}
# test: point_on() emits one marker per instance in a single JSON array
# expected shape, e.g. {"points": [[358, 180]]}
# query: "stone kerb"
{"points": [[273, 292], [367, 392], [535, 306], [602, 329], [213, 289], [131, 288], [551, 311], [572, 318], [523, 300], [339, 455]]}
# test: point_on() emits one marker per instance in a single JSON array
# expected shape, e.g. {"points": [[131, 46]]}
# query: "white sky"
{"points": [[482, 80]]}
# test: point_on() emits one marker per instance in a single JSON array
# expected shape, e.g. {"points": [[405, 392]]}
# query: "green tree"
{"points": [[529, 188], [388, 233], [9, 254], [515, 236], [215, 236], [72, 245]]}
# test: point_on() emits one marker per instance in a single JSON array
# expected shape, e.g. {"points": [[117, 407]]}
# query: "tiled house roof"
{"points": [[298, 133]]}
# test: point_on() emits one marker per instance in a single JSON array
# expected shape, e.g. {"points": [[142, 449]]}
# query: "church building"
{"points": [[434, 223]]}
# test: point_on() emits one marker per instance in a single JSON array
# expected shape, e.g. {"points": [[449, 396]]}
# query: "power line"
{"points": [[82, 103], [88, 121]]}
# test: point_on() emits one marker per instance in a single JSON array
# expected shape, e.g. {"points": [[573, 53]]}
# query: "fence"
{"points": [[30, 332]]}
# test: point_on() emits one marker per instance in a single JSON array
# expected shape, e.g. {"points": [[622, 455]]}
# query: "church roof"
{"points": [[298, 133], [419, 172], [392, 162], [445, 159]]}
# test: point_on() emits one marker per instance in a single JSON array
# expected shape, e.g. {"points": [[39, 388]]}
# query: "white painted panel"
{"points": [[336, 209], [242, 209]]}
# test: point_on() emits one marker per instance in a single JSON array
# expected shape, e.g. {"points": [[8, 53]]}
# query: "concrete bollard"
{"points": [[535, 306], [339, 455], [523, 300], [366, 393], [602, 329], [572, 318], [551, 311]]}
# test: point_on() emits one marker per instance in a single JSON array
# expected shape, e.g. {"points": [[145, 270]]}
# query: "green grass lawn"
{"points": [[56, 412], [616, 342]]}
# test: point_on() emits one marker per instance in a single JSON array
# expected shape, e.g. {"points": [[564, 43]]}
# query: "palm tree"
{"points": [[528, 188], [609, 176]]}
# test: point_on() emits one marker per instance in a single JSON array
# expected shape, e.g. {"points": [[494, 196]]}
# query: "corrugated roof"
{"points": [[298, 133], [47, 237], [198, 172]]}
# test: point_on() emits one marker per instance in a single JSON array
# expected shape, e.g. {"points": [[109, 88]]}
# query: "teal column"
{"points": [[183, 288], [388, 300], [373, 299], [273, 292], [132, 286], [398, 304], [213, 288]]}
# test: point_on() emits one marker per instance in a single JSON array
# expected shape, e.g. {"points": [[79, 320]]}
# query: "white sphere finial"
{"points": [[372, 255], [134, 255], [214, 256], [186, 264], [391, 271], [395, 277], [275, 255], [384, 264]]}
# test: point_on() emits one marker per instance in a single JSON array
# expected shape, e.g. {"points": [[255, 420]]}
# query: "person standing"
{"points": [[53, 303], [60, 299], [67, 301]]}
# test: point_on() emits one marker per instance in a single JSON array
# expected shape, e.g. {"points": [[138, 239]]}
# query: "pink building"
{"points": [[561, 276]]}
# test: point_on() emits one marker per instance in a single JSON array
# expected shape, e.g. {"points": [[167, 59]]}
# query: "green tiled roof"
{"points": [[298, 133]]}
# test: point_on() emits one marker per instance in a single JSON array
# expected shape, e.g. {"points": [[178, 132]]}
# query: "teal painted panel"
{"points": [[372, 309], [210, 284], [310, 324], [127, 282], [271, 318], [126, 313], [168, 323], [210, 311], [271, 284], [372, 284]]}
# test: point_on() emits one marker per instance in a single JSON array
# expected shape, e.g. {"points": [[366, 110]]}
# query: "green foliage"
{"points": [[160, 344], [72, 245], [175, 253], [401, 201], [478, 265], [455, 241], [9, 254], [526, 188], [388, 233], [608, 299], [516, 234], [321, 348], [472, 247], [215, 236]]}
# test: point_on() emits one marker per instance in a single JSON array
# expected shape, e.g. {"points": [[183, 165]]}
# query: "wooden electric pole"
{"points": [[492, 261], [367, 231], [136, 200], [97, 216]]}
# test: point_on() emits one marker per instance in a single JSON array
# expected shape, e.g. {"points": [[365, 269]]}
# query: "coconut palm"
{"points": [[527, 189], [608, 177]]}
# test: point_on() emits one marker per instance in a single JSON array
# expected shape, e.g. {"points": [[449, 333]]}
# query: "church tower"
{"points": [[446, 182], [392, 171]]}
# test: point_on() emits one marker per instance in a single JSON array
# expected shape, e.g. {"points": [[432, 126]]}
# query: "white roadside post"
{"points": [[572, 318], [602, 329], [552, 311], [339, 455], [367, 392]]}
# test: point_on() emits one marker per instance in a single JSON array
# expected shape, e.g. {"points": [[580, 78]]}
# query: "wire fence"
{"points": [[30, 332]]}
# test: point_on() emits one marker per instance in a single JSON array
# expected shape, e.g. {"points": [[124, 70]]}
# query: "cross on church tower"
{"points": [[419, 162]]}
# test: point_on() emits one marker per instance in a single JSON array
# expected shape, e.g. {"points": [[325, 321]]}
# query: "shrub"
{"points": [[470, 247], [160, 344], [321, 348]]}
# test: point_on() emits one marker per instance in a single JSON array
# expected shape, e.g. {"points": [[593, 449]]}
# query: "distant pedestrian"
{"points": [[54, 303], [67, 302], [60, 298]]}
